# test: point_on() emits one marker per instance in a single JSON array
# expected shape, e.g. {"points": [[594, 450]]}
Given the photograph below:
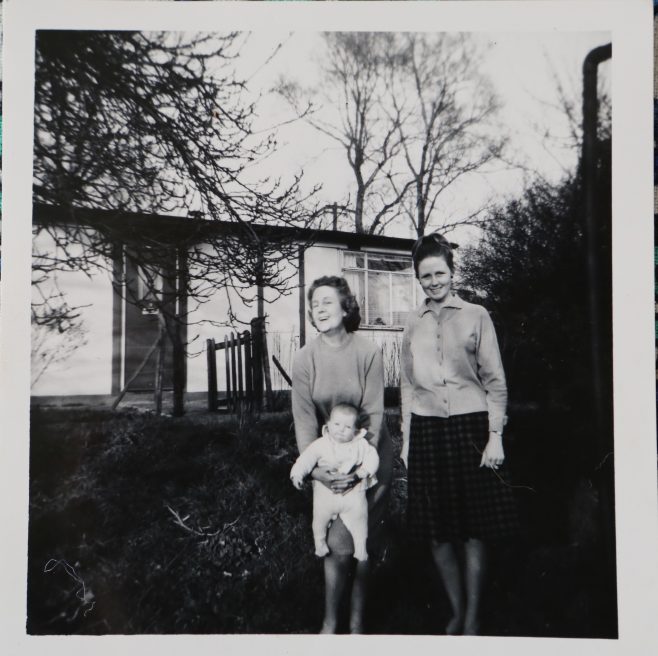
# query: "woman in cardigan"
{"points": [[341, 367], [454, 400]]}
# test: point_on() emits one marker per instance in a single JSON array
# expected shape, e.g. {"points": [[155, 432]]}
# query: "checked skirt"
{"points": [[450, 497]]}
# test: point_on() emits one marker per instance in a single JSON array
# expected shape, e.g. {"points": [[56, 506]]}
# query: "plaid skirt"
{"points": [[450, 497]]}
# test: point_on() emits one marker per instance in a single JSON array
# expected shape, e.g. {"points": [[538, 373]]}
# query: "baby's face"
{"points": [[341, 426]]}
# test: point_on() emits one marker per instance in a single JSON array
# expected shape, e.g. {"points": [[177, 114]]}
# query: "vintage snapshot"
{"points": [[321, 326]]}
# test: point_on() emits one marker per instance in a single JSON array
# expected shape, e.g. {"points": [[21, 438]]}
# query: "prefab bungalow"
{"points": [[96, 360]]}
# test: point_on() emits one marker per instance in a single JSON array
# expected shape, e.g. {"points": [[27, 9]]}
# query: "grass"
{"points": [[166, 525]]}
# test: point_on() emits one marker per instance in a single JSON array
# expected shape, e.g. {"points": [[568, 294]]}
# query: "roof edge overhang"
{"points": [[194, 229]]}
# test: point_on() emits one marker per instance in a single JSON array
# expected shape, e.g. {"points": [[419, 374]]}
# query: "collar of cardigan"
{"points": [[453, 301]]}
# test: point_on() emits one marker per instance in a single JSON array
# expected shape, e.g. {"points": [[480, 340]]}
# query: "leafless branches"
{"points": [[413, 115], [159, 123]]}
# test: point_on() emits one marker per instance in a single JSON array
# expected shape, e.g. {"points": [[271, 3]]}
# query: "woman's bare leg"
{"points": [[447, 565], [475, 555], [359, 593], [336, 573]]}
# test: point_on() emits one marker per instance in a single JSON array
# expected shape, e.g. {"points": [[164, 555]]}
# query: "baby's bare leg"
{"points": [[323, 512], [355, 518]]}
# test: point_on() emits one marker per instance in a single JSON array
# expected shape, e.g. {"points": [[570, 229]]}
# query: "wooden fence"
{"points": [[247, 372]]}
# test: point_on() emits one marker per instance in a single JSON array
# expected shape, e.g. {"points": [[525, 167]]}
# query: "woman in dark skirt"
{"points": [[454, 399]]}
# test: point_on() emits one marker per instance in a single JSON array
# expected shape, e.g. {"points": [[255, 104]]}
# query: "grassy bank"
{"points": [[141, 524]]}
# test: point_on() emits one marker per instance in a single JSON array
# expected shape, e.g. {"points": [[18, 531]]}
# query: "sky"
{"points": [[522, 67]]}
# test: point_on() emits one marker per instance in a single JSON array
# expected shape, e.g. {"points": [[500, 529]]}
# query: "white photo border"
{"points": [[631, 24]]}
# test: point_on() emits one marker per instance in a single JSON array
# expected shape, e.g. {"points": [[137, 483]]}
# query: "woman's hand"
{"points": [[337, 483], [493, 454]]}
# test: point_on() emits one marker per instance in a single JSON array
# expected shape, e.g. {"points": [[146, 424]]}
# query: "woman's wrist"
{"points": [[496, 434]]}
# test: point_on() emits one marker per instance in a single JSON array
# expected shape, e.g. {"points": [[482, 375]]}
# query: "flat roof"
{"points": [[193, 229]]}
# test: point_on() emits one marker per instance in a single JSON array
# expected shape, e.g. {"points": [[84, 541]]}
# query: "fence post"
{"points": [[257, 359], [234, 375], [212, 374], [228, 373], [240, 378], [266, 368], [248, 364]]}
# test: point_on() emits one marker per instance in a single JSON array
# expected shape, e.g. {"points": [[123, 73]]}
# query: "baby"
{"points": [[343, 449]]}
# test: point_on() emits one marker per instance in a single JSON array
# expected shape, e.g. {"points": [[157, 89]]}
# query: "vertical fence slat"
{"points": [[212, 375], [234, 375], [227, 355], [248, 364], [240, 378]]}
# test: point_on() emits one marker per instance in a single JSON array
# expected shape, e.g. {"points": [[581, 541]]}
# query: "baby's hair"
{"points": [[347, 408]]}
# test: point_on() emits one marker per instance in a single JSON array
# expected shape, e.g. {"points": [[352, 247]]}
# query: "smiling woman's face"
{"points": [[326, 309], [435, 278]]}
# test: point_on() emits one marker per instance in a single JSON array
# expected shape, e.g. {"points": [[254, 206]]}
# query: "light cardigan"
{"points": [[451, 364], [324, 375], [357, 456]]}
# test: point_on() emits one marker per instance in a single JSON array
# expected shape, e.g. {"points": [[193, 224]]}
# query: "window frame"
{"points": [[345, 268]]}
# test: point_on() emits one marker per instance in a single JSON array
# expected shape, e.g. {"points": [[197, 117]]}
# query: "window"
{"points": [[383, 284], [149, 289]]}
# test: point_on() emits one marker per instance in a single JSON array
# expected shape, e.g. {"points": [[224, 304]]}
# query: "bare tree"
{"points": [[159, 123], [349, 108], [443, 108], [414, 116]]}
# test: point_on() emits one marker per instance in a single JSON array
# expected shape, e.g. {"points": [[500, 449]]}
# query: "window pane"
{"points": [[355, 281], [378, 299], [402, 298], [149, 284], [353, 260], [389, 263]]}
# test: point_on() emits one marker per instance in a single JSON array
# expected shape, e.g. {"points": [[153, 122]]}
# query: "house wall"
{"points": [[83, 361], [74, 362]]}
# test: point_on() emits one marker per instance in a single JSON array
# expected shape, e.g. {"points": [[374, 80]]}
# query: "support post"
{"points": [[257, 359]]}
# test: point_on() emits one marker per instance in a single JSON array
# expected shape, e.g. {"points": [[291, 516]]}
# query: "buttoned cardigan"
{"points": [[451, 364]]}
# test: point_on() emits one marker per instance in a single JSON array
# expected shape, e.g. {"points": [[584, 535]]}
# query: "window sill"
{"points": [[397, 329]]}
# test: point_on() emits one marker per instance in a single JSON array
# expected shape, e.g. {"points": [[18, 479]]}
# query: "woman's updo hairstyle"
{"points": [[433, 245], [348, 302]]}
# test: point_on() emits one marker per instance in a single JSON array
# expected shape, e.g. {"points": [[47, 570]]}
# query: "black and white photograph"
{"points": [[321, 327]]}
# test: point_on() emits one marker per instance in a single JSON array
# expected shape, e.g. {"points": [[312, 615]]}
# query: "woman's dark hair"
{"points": [[348, 301], [433, 245]]}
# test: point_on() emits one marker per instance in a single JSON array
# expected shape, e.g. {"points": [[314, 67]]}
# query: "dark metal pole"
{"points": [[602, 423], [589, 162]]}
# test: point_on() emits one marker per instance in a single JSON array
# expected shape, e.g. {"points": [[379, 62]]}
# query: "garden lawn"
{"points": [[140, 524]]}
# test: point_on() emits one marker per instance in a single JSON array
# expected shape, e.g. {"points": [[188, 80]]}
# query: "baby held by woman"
{"points": [[343, 449]]}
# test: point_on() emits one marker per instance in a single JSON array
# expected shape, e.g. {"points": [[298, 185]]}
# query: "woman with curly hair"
{"points": [[339, 366]]}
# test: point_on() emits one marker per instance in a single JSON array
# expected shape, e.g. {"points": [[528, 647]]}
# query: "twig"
{"points": [[180, 521]]}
